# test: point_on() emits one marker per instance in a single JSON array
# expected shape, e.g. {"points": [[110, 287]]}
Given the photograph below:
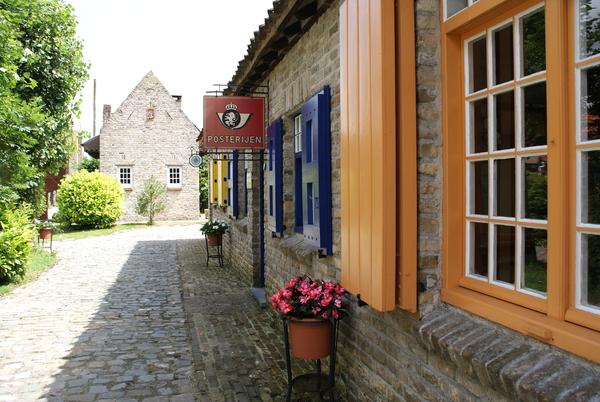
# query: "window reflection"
{"points": [[503, 52], [589, 37], [505, 187], [535, 171], [535, 124], [480, 188], [590, 104], [478, 65], [479, 125], [505, 120], [505, 254], [590, 270], [535, 272], [590, 187], [534, 43], [479, 242]]}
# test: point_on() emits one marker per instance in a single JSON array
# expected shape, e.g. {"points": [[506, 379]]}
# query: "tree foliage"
{"points": [[16, 233], [89, 164], [41, 73], [203, 183], [90, 199], [149, 201]]}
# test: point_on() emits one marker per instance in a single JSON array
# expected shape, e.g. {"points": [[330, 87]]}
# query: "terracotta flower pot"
{"points": [[310, 338], [45, 233], [214, 239]]}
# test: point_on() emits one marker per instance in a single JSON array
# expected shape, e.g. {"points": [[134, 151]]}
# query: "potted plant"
{"points": [[310, 307], [213, 230], [45, 229]]}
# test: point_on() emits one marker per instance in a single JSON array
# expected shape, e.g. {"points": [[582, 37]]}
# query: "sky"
{"points": [[190, 45]]}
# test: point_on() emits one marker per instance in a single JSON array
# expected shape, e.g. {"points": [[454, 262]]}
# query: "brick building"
{"points": [[457, 203], [149, 135]]}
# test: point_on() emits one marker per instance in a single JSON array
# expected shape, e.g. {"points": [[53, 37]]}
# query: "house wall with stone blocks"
{"points": [[151, 135], [441, 352]]}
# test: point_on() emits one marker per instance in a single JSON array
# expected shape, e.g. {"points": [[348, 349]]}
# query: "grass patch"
{"points": [[39, 261]]}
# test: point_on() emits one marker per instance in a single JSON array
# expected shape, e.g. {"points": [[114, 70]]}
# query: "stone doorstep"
{"points": [[259, 295]]}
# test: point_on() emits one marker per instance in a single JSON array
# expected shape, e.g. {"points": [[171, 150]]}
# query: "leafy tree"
{"points": [[203, 183], [149, 201], [90, 199], [41, 73], [89, 164]]}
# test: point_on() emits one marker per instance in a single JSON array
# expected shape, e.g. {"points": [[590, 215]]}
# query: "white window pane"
{"points": [[590, 104], [533, 44], [590, 187], [454, 6], [589, 280], [535, 259], [589, 28]]}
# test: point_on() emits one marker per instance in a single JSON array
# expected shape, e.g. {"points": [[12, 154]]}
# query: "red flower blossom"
{"points": [[303, 297]]}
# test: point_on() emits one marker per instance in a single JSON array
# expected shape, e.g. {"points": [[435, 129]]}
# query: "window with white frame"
{"points": [[452, 7], [126, 176], [507, 215], [174, 176], [523, 126], [587, 154]]}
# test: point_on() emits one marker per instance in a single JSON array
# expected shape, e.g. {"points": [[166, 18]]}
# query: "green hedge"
{"points": [[93, 200], [16, 234]]}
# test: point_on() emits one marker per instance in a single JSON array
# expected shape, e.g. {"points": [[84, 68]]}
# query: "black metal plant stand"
{"points": [[214, 252], [311, 382], [43, 241]]}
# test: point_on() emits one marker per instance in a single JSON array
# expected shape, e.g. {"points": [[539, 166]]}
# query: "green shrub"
{"points": [[16, 234], [92, 200]]}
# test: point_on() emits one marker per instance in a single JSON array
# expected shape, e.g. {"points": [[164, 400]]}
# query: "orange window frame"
{"points": [[553, 320]]}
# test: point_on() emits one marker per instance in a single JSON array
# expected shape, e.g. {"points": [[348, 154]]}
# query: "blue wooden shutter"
{"points": [[316, 171], [232, 185], [275, 177]]}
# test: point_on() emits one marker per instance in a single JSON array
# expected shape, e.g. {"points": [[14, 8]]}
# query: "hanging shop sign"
{"points": [[234, 122]]}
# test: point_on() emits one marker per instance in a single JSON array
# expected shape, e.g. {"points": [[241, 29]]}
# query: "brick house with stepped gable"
{"points": [[476, 264], [149, 135]]}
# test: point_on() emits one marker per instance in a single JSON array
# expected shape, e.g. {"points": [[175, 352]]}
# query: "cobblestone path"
{"points": [[136, 316]]}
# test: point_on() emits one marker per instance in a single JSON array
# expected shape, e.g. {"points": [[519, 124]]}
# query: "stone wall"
{"points": [[441, 353], [128, 138]]}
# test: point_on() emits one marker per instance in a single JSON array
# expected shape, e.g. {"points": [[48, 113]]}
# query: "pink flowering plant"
{"points": [[304, 297]]}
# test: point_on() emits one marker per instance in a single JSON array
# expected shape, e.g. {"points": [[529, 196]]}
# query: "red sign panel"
{"points": [[234, 122]]}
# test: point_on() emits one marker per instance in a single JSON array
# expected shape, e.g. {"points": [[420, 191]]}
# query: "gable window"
{"points": [[174, 177], [523, 252], [125, 176], [150, 114]]}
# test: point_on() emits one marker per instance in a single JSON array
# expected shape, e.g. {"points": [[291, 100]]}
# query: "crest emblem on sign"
{"points": [[232, 119]]}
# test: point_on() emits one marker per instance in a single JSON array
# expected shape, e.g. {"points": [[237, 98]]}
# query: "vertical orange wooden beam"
{"points": [[406, 106], [560, 224], [349, 149], [367, 235]]}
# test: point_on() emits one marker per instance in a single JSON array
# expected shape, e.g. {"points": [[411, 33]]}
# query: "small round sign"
{"points": [[195, 160]]}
